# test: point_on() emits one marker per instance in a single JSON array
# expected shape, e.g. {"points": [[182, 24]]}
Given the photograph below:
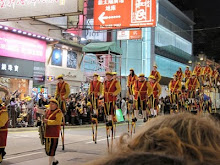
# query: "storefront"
{"points": [[22, 63], [63, 59]]}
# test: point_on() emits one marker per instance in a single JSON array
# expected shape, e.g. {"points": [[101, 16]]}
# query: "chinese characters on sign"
{"points": [[129, 35], [9, 67], [14, 3], [119, 14]]}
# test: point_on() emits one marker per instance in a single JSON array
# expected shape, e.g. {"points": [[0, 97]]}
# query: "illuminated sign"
{"points": [[17, 46], [13, 9], [121, 14], [129, 35]]}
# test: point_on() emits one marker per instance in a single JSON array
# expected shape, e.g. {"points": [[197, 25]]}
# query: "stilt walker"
{"points": [[142, 91], [94, 92], [155, 97], [187, 74], [132, 77], [114, 77], [53, 120], [179, 74], [61, 94], [207, 72], [174, 88], [156, 74], [111, 88], [3, 130], [198, 72], [192, 85]]}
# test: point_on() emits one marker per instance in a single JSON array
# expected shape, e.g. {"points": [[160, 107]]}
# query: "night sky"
{"points": [[207, 17]]}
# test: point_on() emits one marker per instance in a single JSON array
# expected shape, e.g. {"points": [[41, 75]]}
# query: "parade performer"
{"points": [[130, 82], [155, 97], [53, 120], [132, 77], [62, 93], [3, 130], [94, 92], [179, 74], [175, 88], [198, 72], [191, 85], [114, 77], [156, 74], [215, 76], [111, 88], [141, 90], [187, 74], [207, 72]]}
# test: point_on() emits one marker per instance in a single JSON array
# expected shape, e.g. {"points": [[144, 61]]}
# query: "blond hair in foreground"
{"points": [[187, 137]]}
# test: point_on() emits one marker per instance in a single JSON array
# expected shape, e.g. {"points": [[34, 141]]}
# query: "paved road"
{"points": [[24, 147]]}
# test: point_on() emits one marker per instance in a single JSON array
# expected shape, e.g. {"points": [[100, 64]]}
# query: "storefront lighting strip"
{"points": [[25, 33]]}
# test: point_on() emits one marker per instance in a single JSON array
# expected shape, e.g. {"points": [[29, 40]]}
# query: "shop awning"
{"points": [[102, 48]]}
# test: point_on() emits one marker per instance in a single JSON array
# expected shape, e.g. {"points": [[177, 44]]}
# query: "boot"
{"points": [[55, 163]]}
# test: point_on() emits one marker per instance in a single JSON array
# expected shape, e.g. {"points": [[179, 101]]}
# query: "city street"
{"points": [[24, 146]]}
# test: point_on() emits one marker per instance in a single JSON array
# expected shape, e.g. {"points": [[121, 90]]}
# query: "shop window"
{"points": [[57, 57], [71, 59]]}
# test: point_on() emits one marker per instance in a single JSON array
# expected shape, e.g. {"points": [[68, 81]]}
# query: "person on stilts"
{"points": [[132, 77], [142, 90], [156, 74], [94, 92], [111, 88], [61, 94], [174, 88], [192, 85], [154, 99], [53, 120], [114, 77], [187, 74]]}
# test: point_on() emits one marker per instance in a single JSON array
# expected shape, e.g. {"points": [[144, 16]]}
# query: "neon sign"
{"points": [[16, 46], [15, 3]]}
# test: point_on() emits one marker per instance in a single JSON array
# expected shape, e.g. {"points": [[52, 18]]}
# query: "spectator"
{"points": [[124, 107], [182, 135]]}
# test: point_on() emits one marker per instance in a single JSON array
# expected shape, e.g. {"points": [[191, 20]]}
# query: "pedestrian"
{"points": [[124, 107], [53, 119], [3, 130]]}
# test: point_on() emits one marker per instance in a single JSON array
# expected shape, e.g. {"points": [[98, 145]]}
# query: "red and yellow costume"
{"points": [[95, 90], [175, 88], [179, 75], [197, 70], [187, 74], [156, 74], [52, 131], [130, 83], [110, 91], [3, 131], [141, 90], [62, 93], [215, 76], [207, 71], [156, 93], [191, 85]]}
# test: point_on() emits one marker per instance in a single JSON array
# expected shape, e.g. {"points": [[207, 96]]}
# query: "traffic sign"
{"points": [[129, 35], [121, 14]]}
